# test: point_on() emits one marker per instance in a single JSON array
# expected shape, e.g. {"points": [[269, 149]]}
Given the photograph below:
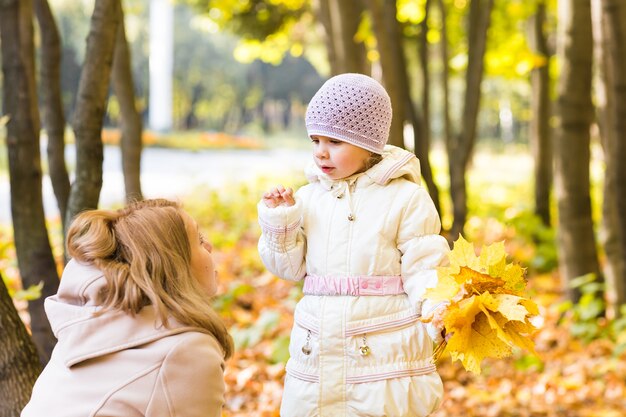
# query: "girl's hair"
{"points": [[145, 255], [372, 160]]}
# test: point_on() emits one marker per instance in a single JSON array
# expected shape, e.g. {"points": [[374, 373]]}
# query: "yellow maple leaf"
{"points": [[446, 287], [513, 275], [463, 254], [486, 312], [493, 256], [476, 282], [477, 342], [510, 306], [531, 306], [519, 333]]}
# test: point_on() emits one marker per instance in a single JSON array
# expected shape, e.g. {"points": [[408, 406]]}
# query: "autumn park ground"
{"points": [[579, 369]]}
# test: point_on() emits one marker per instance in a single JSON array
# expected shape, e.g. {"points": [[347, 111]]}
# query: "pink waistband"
{"points": [[354, 285]]}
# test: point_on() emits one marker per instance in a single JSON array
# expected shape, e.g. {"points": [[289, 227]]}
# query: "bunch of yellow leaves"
{"points": [[486, 313]]}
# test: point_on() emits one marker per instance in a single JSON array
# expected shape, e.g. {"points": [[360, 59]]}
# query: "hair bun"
{"points": [[91, 236]]}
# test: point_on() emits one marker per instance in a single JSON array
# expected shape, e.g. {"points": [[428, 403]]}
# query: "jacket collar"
{"points": [[82, 334], [396, 163]]}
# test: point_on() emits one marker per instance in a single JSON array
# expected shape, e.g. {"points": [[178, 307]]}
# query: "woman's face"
{"points": [[202, 265]]}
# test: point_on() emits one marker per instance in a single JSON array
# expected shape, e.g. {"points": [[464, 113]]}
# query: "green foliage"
{"points": [[280, 349], [586, 319], [224, 303], [269, 29], [531, 231], [585, 316], [508, 53], [31, 293], [254, 19], [619, 327], [252, 335], [529, 363], [8, 268], [227, 217]]}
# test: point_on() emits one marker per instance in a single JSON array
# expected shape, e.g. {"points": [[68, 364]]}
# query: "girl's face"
{"points": [[338, 159], [202, 265]]}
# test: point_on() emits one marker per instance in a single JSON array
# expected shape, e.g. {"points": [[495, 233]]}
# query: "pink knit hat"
{"points": [[353, 108]]}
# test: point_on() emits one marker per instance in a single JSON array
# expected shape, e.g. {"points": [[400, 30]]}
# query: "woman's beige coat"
{"points": [[379, 223], [118, 365]]}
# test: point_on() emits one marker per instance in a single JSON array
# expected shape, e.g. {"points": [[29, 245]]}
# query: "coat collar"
{"points": [[396, 163], [82, 334]]}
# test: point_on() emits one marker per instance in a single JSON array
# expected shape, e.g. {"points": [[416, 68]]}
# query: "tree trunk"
{"points": [[340, 20], [53, 116], [423, 56], [387, 48], [421, 140], [345, 17], [576, 240], [462, 144], [27, 44], [124, 89], [445, 75], [93, 91], [34, 254], [540, 123], [19, 363], [612, 35], [322, 11]]}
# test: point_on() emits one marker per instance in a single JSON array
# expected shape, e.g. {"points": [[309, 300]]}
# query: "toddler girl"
{"points": [[364, 236]]}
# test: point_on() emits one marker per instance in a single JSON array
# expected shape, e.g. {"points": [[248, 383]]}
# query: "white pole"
{"points": [[161, 64]]}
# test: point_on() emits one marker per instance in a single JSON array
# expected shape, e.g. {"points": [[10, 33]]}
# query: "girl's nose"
{"points": [[321, 152]]}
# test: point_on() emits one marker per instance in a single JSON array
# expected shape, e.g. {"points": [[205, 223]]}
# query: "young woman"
{"points": [[137, 336]]}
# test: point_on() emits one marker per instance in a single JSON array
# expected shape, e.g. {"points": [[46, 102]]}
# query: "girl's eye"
{"points": [[335, 142], [315, 141]]}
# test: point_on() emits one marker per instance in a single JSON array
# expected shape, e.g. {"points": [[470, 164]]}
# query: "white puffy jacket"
{"points": [[393, 231]]}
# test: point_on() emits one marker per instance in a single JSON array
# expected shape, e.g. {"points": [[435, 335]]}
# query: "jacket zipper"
{"points": [[388, 325]]}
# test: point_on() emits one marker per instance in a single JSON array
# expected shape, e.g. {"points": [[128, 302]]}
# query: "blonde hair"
{"points": [[373, 159], [145, 255]]}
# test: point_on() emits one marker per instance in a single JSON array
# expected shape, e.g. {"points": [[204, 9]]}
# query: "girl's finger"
{"points": [[269, 202]]}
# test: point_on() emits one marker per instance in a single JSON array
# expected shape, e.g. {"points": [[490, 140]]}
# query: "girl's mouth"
{"points": [[326, 170]]}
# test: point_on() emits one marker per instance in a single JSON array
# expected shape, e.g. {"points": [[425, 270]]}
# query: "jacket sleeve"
{"points": [[191, 381], [423, 249], [282, 245]]}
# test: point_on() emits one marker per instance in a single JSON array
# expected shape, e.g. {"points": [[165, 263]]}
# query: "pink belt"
{"points": [[353, 285]]}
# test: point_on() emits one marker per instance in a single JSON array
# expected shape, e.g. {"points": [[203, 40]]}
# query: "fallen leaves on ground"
{"points": [[564, 378]]}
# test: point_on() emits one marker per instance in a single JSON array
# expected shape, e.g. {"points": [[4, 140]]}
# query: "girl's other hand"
{"points": [[279, 196]]}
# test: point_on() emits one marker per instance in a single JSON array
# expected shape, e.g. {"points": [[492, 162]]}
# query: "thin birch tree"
{"points": [[461, 144], [131, 127]]}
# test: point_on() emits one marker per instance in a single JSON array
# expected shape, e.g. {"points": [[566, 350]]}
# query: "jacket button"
{"points": [[378, 285], [364, 285], [351, 217]]}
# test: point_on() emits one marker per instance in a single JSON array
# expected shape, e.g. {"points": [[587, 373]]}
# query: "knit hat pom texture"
{"points": [[353, 108]]}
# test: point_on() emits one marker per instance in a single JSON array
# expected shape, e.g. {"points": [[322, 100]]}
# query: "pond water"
{"points": [[175, 173]]}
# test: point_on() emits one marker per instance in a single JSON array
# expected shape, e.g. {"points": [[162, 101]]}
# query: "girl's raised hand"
{"points": [[279, 196]]}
